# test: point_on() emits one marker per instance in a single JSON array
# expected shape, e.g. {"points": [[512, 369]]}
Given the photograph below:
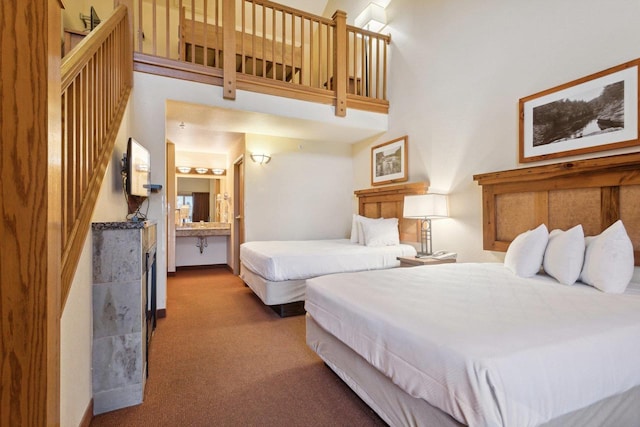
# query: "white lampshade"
{"points": [[426, 206], [372, 18]]}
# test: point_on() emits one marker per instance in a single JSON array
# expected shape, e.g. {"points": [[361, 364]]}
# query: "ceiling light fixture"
{"points": [[260, 158], [184, 169], [202, 170], [181, 125], [217, 171]]}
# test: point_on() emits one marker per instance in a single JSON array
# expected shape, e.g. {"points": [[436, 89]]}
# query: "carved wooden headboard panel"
{"points": [[388, 202], [594, 193]]}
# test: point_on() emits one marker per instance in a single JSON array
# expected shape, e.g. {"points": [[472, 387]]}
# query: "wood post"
{"points": [[340, 62], [30, 229], [229, 49]]}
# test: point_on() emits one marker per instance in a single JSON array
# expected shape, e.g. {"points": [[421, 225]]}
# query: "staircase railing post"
{"points": [[340, 62], [229, 49]]}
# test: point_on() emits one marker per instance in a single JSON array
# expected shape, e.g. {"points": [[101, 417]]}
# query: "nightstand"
{"points": [[411, 261]]}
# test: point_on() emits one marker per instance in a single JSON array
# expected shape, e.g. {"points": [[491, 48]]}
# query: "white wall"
{"points": [[304, 192], [150, 94], [457, 71], [76, 327]]}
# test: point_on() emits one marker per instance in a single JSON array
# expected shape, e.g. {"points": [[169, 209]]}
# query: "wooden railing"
{"points": [[96, 83], [262, 46]]}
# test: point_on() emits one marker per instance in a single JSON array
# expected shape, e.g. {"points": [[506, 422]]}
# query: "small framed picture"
{"points": [[595, 113], [389, 162]]}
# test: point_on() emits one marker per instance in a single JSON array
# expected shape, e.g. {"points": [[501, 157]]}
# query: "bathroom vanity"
{"points": [[202, 243]]}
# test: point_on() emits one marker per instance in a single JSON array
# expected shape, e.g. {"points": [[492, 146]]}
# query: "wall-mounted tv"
{"points": [[137, 169]]}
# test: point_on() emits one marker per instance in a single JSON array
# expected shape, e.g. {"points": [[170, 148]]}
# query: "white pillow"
{"points": [[354, 229], [362, 220], [608, 260], [524, 255], [564, 255], [381, 232]]}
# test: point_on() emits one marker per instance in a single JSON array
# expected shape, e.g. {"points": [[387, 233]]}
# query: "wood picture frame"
{"points": [[389, 161], [598, 112]]}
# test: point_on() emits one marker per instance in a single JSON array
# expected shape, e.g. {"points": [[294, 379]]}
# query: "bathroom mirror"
{"points": [[196, 198]]}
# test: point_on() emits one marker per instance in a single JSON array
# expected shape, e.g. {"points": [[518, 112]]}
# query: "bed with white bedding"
{"points": [[277, 270], [503, 344], [479, 344]]}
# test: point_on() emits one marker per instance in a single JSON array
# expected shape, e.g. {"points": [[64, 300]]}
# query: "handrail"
{"points": [[261, 45], [96, 82]]}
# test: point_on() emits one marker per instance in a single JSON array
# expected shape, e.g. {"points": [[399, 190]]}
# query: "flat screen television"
{"points": [[137, 169]]}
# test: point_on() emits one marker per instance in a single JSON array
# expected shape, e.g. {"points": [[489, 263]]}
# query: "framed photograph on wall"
{"points": [[595, 113], [389, 162]]}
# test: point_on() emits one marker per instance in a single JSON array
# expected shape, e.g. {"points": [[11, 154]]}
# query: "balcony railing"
{"points": [[261, 46]]}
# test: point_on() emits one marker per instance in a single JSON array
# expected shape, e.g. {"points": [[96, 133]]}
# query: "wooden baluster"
{"points": [[193, 31], [384, 72], [140, 30], [327, 56], [205, 47], [273, 43], [293, 47], [253, 38], [302, 52], [167, 18], [283, 45], [242, 38], [154, 33], [377, 68], [264, 41], [216, 42]]}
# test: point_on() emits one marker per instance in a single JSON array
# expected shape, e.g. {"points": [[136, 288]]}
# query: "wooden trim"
{"points": [[389, 202], [608, 174], [565, 169], [95, 91], [30, 229], [73, 63], [340, 62], [88, 415], [229, 53]]}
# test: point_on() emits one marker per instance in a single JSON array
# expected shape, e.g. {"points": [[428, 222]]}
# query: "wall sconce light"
{"points": [[184, 169], [260, 158], [202, 170], [217, 171], [372, 18]]}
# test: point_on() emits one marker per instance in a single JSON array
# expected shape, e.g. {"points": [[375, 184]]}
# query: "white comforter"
{"points": [[481, 344], [294, 260]]}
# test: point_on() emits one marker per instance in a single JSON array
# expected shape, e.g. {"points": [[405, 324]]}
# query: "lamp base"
{"points": [[425, 255]]}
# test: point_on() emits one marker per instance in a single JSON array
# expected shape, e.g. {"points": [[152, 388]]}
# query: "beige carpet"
{"points": [[221, 358]]}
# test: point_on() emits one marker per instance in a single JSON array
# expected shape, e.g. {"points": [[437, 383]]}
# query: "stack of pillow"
{"points": [[604, 261], [374, 232]]}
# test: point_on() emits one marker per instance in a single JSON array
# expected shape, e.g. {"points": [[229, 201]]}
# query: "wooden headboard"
{"points": [[388, 202], [594, 193]]}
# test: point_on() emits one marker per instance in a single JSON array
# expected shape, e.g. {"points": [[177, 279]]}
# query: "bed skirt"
{"points": [[286, 298]]}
